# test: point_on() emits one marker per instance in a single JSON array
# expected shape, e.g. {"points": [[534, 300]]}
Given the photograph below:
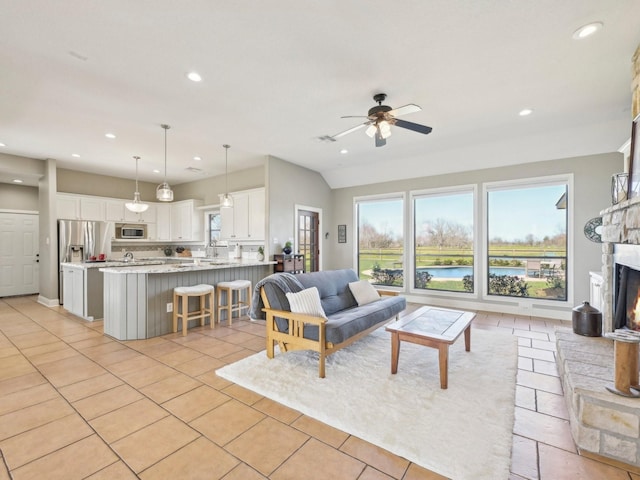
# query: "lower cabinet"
{"points": [[82, 292], [73, 290]]}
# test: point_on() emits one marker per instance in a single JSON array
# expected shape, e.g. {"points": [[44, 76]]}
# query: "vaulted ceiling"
{"points": [[279, 74]]}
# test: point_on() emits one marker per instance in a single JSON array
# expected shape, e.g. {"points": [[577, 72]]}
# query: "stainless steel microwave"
{"points": [[125, 231]]}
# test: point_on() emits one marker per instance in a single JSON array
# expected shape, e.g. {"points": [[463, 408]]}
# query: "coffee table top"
{"points": [[436, 323]]}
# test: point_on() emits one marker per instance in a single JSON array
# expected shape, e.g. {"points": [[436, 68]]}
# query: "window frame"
{"points": [[526, 303], [441, 191], [354, 235]]}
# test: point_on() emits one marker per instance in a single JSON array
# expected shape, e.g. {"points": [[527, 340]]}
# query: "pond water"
{"points": [[459, 272]]}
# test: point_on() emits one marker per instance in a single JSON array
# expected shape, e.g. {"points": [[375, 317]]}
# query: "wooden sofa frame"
{"points": [[294, 340]]}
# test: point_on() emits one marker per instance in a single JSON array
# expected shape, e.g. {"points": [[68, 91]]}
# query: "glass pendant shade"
{"points": [[227, 200], [136, 206], [163, 191]]}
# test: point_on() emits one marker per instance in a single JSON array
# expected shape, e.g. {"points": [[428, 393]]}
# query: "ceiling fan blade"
{"points": [[352, 129], [380, 142], [416, 127], [411, 108], [354, 116]]}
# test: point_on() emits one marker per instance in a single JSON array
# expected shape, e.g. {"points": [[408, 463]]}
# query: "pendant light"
{"points": [[163, 191], [227, 200], [136, 206]]}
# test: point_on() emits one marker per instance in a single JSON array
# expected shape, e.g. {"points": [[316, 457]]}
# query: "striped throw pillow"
{"points": [[306, 301]]}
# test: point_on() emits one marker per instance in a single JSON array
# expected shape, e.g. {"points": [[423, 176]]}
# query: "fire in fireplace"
{"points": [[627, 303]]}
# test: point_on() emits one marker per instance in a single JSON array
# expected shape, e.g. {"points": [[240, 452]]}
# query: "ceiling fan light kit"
{"points": [[163, 191], [380, 118], [136, 206]]}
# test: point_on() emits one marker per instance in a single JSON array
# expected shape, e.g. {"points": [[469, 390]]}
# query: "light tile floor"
{"points": [[77, 404]]}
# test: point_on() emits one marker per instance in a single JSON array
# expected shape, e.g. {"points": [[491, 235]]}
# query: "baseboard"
{"points": [[491, 307], [48, 302]]}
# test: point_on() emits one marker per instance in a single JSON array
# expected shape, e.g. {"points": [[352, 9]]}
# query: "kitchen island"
{"points": [[138, 300], [83, 286]]}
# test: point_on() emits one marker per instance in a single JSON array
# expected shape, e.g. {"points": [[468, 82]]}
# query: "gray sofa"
{"points": [[345, 323]]}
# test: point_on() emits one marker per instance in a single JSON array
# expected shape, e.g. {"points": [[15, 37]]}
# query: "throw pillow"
{"points": [[364, 292], [306, 301]]}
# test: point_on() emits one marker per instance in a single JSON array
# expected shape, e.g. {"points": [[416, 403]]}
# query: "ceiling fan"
{"points": [[380, 119]]}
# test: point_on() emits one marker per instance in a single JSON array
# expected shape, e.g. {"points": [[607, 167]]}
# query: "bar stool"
{"points": [[181, 296], [237, 286]]}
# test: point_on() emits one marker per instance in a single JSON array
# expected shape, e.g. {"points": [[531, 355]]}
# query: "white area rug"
{"points": [[463, 432]]}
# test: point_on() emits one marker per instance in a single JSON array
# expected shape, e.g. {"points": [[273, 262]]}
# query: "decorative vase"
{"points": [[287, 250]]}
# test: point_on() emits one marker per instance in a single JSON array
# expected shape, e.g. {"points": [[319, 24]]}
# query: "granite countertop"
{"points": [[111, 263], [183, 267]]}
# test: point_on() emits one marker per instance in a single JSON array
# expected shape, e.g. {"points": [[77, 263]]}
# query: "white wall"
{"points": [[289, 185]]}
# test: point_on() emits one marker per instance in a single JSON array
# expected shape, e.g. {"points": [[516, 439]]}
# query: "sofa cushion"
{"points": [[363, 292], [343, 325], [306, 301], [333, 286]]}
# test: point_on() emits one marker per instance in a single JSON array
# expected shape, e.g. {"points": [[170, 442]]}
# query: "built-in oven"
{"points": [[128, 231]]}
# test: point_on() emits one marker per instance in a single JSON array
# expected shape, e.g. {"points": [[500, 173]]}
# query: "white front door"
{"points": [[18, 254]]}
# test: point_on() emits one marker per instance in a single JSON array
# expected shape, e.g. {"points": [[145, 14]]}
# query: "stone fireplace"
{"points": [[604, 424]]}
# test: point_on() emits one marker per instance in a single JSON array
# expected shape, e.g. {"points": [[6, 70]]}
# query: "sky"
{"points": [[513, 214]]}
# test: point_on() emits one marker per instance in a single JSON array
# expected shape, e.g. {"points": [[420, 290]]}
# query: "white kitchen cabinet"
{"points": [[82, 292], [246, 220], [186, 224], [73, 290], [79, 207], [163, 222]]}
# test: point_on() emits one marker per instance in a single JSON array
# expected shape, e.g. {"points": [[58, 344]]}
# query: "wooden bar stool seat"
{"points": [[181, 296], [242, 290]]}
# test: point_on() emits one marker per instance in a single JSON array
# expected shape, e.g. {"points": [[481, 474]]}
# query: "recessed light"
{"points": [[110, 135], [587, 30], [197, 159], [2, 144], [75, 155], [17, 180], [194, 76], [525, 111], [155, 170], [344, 151]]}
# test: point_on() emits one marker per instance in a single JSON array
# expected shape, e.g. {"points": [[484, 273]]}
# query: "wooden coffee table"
{"points": [[432, 327]]}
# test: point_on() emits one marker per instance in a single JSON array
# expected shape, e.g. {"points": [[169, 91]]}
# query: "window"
{"points": [[443, 240], [214, 225], [380, 241], [527, 239]]}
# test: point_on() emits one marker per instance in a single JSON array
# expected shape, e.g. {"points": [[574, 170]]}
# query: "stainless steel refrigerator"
{"points": [[78, 241]]}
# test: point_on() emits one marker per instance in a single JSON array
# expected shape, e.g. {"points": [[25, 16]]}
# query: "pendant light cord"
{"points": [[226, 169], [166, 127]]}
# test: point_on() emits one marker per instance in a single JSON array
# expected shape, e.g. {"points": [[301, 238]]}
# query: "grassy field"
{"points": [[392, 259]]}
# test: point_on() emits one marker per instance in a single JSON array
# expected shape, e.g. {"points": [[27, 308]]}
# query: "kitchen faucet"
{"points": [[128, 256]]}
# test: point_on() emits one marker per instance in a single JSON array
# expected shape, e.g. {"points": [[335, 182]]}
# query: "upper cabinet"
{"points": [[116, 211], [78, 207], [246, 220], [186, 224]]}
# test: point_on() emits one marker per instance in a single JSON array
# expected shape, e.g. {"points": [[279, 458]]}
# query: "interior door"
{"points": [[308, 241], [18, 254]]}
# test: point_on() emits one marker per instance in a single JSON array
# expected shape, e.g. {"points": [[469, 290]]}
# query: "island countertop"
{"points": [[194, 266]]}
